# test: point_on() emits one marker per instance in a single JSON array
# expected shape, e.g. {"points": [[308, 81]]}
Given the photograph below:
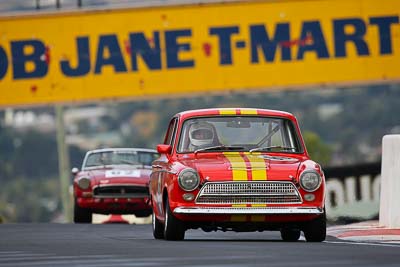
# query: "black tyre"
{"points": [[290, 235], [82, 215], [315, 230], [174, 229], [158, 227]]}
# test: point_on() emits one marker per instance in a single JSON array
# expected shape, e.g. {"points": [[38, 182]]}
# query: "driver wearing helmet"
{"points": [[201, 135], [106, 158]]}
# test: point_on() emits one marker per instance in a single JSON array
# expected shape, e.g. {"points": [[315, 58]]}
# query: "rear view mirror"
{"points": [[74, 171], [238, 123]]}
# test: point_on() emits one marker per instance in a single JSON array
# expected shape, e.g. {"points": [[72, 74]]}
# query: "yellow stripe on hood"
{"points": [[258, 166], [258, 173], [239, 173]]}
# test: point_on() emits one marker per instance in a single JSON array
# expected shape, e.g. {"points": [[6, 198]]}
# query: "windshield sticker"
{"points": [[122, 173]]}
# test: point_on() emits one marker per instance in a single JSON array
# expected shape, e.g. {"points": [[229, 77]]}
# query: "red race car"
{"points": [[113, 181], [236, 170]]}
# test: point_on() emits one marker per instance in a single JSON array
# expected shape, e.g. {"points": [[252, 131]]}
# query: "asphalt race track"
{"points": [[133, 245]]}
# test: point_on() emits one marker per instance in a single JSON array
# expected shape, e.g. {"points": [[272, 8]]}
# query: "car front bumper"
{"points": [[114, 205], [249, 210]]}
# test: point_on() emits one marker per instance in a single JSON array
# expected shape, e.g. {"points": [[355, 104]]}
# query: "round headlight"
{"points": [[310, 181], [84, 183], [188, 179]]}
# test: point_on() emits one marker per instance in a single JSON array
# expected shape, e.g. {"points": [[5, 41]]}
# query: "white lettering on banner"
{"points": [[334, 187], [365, 188], [350, 185], [376, 188], [342, 201]]}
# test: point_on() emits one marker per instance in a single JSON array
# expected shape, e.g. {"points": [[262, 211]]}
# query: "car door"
{"points": [[161, 170]]}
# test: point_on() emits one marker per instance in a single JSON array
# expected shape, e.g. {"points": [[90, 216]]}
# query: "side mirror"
{"points": [[164, 149], [74, 171]]}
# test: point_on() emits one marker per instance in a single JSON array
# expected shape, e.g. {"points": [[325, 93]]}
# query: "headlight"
{"points": [[188, 179], [84, 183], [310, 180]]}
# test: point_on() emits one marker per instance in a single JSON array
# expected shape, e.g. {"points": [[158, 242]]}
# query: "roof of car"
{"points": [[235, 111]]}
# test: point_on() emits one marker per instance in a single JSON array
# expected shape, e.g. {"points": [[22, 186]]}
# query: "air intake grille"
{"points": [[120, 191], [248, 193]]}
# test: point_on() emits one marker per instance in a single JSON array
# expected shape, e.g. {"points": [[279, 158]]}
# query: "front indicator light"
{"points": [[309, 197], [87, 194], [188, 197]]}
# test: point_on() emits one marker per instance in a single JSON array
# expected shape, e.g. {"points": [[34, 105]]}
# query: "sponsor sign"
{"points": [[130, 53]]}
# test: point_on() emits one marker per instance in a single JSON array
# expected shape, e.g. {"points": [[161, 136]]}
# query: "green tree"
{"points": [[318, 150], [27, 200]]}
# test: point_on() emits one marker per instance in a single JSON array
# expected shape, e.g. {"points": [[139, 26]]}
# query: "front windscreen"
{"points": [[238, 133], [115, 157]]}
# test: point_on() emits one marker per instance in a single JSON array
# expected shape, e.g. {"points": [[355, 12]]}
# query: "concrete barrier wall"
{"points": [[390, 197]]}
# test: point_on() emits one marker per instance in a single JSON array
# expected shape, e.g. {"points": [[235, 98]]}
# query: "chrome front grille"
{"points": [[252, 192], [120, 191]]}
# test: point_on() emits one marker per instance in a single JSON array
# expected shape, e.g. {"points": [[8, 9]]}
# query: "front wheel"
{"points": [[315, 230], [174, 229], [158, 227], [82, 215]]}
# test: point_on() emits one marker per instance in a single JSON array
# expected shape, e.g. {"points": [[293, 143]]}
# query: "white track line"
{"points": [[363, 243]]}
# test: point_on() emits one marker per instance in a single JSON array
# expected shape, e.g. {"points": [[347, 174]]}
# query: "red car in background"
{"points": [[113, 181], [236, 170]]}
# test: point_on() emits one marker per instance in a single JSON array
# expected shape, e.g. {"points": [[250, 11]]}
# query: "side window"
{"points": [[290, 137], [170, 136]]}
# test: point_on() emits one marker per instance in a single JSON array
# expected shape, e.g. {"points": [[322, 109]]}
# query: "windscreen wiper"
{"points": [[271, 147], [221, 147]]}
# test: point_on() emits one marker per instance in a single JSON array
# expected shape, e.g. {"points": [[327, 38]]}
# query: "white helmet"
{"points": [[201, 134]]}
